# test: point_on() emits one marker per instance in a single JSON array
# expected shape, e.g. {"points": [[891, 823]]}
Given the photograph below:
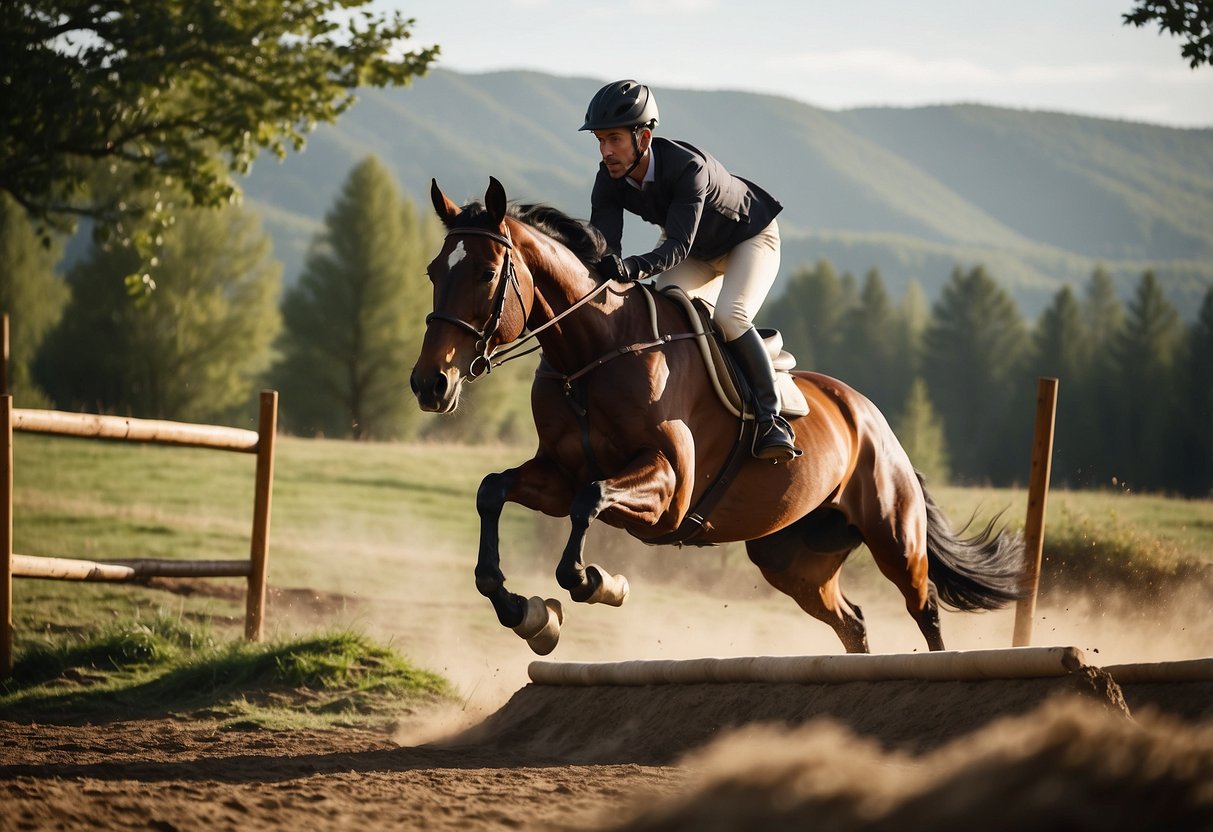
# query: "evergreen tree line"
{"points": [[957, 379], [1135, 400]]}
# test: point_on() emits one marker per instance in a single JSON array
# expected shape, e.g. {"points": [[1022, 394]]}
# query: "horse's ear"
{"points": [[447, 210], [494, 200]]}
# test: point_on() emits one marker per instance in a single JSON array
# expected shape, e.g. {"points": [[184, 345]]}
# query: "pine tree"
{"points": [[1100, 395], [1197, 403], [31, 294], [1062, 350], [921, 434], [809, 315], [975, 349], [1146, 355], [915, 315], [194, 349], [354, 321], [871, 356]]}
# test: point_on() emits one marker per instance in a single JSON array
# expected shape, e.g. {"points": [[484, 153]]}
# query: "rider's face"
{"points": [[616, 148]]}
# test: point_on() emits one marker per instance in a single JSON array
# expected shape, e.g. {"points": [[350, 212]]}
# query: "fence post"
{"points": [[4, 369], [1038, 496], [6, 537], [267, 426]]}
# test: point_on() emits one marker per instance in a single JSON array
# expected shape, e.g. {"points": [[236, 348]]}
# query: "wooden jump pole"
{"points": [[6, 535], [1038, 496], [259, 547], [948, 665]]}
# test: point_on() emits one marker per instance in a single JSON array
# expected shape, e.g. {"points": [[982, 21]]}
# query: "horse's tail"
{"points": [[982, 572]]}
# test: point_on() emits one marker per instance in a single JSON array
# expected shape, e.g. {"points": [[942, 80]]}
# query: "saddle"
{"points": [[727, 379]]}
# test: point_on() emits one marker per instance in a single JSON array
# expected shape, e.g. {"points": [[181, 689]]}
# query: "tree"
{"points": [[1103, 317], [174, 93], [1190, 20], [1146, 355], [354, 321], [922, 434], [809, 314], [32, 295], [975, 348], [1197, 404], [1062, 349], [194, 349], [872, 355]]}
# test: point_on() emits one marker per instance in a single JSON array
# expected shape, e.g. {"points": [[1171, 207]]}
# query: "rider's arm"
{"points": [[606, 211], [690, 189]]}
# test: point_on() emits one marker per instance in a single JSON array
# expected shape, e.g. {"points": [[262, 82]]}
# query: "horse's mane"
{"points": [[578, 236]]}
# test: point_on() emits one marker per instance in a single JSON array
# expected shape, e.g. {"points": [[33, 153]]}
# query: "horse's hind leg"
{"points": [[803, 561], [899, 546]]}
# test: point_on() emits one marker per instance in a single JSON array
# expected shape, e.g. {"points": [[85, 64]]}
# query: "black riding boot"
{"points": [[774, 438]]}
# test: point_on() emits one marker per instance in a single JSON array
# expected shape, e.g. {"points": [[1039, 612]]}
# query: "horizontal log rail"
{"points": [[119, 571], [158, 431], [1184, 670], [953, 665]]}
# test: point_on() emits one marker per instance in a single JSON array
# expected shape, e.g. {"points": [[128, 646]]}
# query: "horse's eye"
{"points": [[488, 275]]}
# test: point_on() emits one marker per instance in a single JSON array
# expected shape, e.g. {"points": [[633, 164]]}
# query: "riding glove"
{"points": [[612, 267]]}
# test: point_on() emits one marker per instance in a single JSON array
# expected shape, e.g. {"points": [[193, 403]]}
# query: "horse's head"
{"points": [[478, 303]]}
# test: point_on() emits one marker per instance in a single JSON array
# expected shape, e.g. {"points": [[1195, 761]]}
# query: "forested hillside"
{"points": [[1039, 199]]}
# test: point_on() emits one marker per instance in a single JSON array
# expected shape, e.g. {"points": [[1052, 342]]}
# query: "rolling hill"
{"points": [[1039, 198]]}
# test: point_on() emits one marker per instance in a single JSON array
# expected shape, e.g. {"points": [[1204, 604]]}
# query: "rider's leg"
{"points": [[774, 438], [748, 274], [698, 278]]}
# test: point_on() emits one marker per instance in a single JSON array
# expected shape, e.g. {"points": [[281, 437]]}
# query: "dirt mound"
{"points": [[655, 724], [1068, 765]]}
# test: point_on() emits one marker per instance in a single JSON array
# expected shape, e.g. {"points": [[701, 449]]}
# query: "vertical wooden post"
{"points": [[1038, 496], [259, 549], [6, 537], [5, 389]]}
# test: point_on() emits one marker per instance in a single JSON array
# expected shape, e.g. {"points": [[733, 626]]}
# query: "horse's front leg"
{"points": [[642, 492], [534, 485]]}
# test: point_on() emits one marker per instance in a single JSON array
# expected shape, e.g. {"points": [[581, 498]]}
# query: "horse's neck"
{"points": [[561, 281]]}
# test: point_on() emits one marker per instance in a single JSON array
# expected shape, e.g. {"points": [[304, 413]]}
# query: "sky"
{"points": [[1072, 56]]}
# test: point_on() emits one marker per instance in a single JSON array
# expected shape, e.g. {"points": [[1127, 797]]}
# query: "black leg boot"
{"points": [[774, 438]]}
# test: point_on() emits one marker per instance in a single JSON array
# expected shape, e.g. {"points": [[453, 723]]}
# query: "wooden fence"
{"points": [[259, 442]]}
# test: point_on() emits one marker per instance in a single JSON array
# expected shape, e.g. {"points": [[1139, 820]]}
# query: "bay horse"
{"points": [[631, 434]]}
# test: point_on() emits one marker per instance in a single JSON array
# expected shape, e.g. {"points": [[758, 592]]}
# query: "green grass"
{"points": [[355, 522], [166, 667]]}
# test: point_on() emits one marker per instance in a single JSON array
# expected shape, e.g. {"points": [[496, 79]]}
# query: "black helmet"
{"points": [[621, 104]]}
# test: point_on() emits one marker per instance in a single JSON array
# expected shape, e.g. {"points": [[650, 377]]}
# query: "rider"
{"points": [[719, 237]]}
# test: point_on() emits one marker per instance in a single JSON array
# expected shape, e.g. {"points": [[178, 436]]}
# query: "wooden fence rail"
{"points": [[259, 442]]}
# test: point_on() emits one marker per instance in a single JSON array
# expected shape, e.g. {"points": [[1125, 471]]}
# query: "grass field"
{"points": [[382, 538]]}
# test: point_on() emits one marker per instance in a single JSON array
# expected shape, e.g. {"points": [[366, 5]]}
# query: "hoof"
{"points": [[613, 590], [541, 624]]}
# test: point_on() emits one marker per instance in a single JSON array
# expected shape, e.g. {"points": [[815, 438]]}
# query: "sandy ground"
{"points": [[514, 755], [610, 758]]}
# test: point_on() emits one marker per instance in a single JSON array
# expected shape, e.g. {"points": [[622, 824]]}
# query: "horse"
{"points": [[632, 434]]}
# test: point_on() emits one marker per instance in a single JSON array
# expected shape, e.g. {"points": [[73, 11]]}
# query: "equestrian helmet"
{"points": [[621, 104]]}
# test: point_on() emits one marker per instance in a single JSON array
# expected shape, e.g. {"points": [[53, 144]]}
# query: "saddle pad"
{"points": [[792, 402]]}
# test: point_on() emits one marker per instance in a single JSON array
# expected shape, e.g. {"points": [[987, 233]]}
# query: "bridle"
{"points": [[495, 357], [485, 335]]}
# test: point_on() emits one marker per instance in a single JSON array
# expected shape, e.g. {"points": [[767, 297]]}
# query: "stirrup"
{"points": [[774, 440]]}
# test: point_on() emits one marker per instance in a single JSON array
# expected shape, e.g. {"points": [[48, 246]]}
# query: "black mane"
{"points": [[578, 236]]}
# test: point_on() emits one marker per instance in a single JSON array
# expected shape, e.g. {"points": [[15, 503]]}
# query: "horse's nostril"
{"points": [[440, 385]]}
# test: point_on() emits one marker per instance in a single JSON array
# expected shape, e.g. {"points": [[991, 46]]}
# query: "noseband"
{"points": [[484, 336]]}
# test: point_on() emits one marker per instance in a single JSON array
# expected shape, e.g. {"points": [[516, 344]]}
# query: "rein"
{"points": [[499, 355], [657, 341]]}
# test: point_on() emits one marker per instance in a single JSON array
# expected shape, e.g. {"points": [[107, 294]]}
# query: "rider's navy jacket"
{"points": [[704, 210]]}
